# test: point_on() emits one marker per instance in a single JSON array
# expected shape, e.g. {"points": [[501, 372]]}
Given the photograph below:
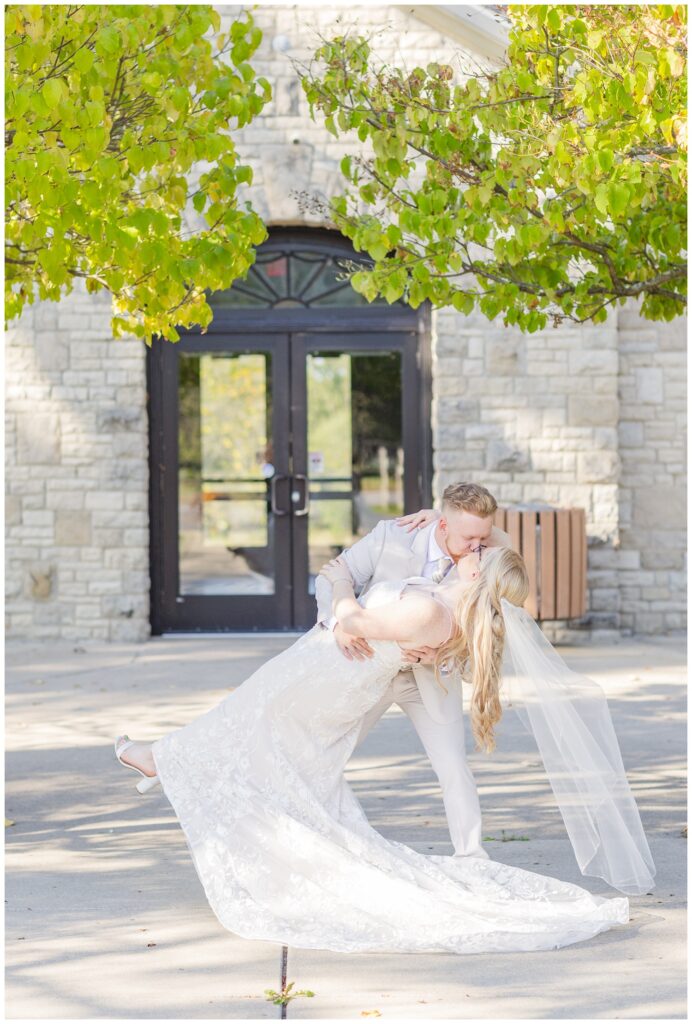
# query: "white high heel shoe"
{"points": [[147, 782]]}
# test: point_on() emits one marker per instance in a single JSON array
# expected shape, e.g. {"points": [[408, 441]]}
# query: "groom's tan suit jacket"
{"points": [[390, 553]]}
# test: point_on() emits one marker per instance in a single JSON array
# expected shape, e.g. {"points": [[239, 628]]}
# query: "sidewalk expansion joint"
{"points": [[284, 977]]}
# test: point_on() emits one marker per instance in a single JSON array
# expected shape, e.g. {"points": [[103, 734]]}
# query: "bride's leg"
{"points": [[139, 755]]}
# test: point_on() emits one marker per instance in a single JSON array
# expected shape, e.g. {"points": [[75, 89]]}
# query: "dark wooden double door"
{"points": [[271, 451]]}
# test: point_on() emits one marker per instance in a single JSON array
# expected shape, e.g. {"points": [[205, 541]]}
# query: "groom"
{"points": [[391, 552]]}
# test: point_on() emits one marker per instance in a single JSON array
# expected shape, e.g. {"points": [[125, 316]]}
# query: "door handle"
{"points": [[275, 508], [295, 496]]}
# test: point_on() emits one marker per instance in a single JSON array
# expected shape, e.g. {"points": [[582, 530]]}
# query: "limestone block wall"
{"points": [[77, 540], [535, 418], [652, 438], [286, 149]]}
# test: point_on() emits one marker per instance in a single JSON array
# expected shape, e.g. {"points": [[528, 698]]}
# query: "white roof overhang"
{"points": [[481, 28]]}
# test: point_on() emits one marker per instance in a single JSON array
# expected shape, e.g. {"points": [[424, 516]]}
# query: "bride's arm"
{"points": [[413, 620]]}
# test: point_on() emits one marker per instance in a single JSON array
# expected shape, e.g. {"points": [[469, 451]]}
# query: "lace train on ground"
{"points": [[283, 848]]}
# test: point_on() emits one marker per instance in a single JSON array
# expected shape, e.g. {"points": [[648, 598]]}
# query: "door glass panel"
{"points": [[355, 454], [225, 541]]}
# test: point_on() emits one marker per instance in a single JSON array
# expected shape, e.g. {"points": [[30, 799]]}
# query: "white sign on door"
{"points": [[315, 463]]}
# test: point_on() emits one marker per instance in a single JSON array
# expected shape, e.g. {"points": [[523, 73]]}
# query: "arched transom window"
{"points": [[299, 273]]}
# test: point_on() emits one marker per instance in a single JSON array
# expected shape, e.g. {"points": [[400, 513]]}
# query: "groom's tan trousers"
{"points": [[445, 745]]}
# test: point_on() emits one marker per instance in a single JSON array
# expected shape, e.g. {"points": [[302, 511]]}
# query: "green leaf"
{"points": [[53, 91], [108, 40], [562, 153], [393, 287], [618, 197], [152, 81], [364, 283], [84, 60], [554, 20], [183, 38], [378, 250], [672, 63], [463, 303], [605, 159], [525, 80]]}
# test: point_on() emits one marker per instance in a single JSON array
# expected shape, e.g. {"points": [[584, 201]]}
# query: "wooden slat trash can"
{"points": [[553, 544]]}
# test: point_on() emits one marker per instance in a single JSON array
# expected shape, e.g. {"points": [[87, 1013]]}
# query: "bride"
{"points": [[282, 846]]}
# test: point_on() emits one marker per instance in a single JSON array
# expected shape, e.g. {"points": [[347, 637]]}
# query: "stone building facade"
{"points": [[590, 416], [77, 538]]}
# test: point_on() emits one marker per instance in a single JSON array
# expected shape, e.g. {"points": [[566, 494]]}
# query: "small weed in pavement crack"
{"points": [[284, 997]]}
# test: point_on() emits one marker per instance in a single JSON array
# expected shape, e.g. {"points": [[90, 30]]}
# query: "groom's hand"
{"points": [[352, 647], [419, 655]]}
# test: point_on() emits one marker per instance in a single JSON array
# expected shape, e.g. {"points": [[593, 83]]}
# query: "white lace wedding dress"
{"points": [[284, 850]]}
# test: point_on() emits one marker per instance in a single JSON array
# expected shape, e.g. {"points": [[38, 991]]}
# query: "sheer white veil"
{"points": [[568, 715]]}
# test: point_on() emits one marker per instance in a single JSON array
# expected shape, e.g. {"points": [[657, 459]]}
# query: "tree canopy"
{"points": [[551, 187], [107, 109]]}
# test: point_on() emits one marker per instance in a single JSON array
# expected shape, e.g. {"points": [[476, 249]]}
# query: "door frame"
{"points": [[354, 326]]}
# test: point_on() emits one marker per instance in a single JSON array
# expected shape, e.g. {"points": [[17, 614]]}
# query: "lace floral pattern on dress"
{"points": [[285, 852]]}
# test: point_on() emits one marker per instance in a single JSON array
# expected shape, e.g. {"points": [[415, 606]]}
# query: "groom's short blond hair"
{"points": [[469, 498]]}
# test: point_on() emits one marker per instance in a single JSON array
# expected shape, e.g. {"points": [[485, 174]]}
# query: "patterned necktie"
{"points": [[444, 564]]}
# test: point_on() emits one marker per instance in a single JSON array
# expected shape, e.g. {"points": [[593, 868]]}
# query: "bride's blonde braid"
{"points": [[485, 626], [479, 647]]}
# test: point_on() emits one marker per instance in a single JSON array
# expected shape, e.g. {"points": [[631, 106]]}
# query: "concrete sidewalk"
{"points": [[106, 918]]}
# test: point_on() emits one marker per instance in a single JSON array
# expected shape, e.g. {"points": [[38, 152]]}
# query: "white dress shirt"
{"points": [[435, 553]]}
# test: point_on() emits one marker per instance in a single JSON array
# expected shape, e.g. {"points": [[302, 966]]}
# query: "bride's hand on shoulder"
{"points": [[336, 570], [417, 519]]}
